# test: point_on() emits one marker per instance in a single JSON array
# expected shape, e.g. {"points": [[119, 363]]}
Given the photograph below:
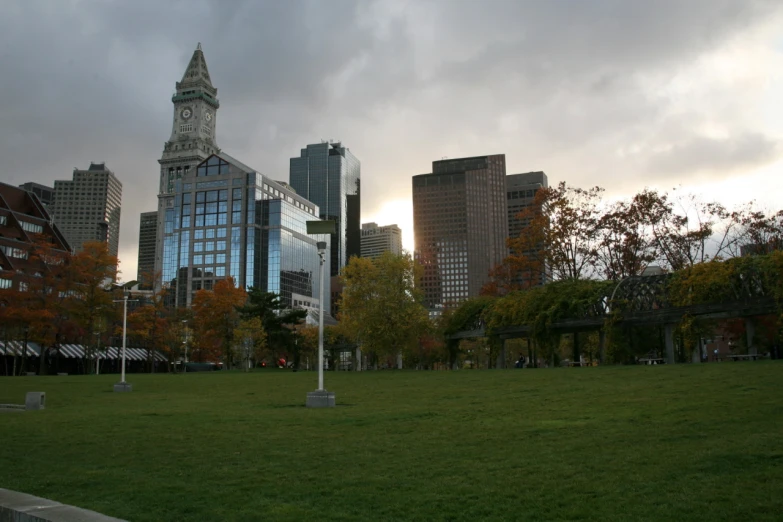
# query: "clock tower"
{"points": [[192, 140], [193, 130]]}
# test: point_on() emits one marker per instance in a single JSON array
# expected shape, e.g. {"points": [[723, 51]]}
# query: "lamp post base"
{"points": [[123, 387], [320, 399]]}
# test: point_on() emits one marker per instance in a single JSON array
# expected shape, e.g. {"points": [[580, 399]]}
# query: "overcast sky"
{"points": [[615, 93]]}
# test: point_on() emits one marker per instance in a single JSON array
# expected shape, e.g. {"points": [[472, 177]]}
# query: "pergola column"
{"points": [[500, 363], [576, 347], [750, 333], [669, 338]]}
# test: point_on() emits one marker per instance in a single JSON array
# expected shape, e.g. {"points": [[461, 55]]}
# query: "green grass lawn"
{"points": [[684, 442]]}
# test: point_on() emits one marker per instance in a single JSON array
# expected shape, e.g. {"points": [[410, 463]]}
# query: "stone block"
{"points": [[35, 401], [320, 399], [21, 507], [123, 387]]}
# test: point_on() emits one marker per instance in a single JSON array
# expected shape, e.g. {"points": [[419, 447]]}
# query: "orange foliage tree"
{"points": [[91, 274], [215, 317], [150, 326]]}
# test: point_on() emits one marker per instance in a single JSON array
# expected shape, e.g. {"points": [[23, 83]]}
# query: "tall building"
{"points": [[521, 192], [377, 240], [328, 174], [87, 207], [460, 226], [44, 193], [219, 218], [192, 139], [22, 216], [229, 220], [148, 227]]}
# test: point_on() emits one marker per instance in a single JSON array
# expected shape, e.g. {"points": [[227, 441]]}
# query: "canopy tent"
{"points": [[12, 348], [76, 351]]}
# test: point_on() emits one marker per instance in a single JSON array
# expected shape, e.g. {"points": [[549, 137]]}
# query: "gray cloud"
{"points": [[701, 153], [558, 86]]}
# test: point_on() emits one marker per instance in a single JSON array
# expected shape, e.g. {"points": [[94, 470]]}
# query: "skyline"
{"points": [[617, 94]]}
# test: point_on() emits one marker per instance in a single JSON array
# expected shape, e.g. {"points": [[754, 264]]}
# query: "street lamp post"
{"points": [[321, 253], [123, 386], [185, 343], [320, 398], [97, 351]]}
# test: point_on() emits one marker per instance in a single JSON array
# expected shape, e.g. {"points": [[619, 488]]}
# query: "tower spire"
{"points": [[197, 74]]}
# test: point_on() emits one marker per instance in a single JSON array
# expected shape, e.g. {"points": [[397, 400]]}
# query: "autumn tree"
{"points": [[306, 342], [761, 232], [381, 306], [625, 245], [215, 316], [686, 230], [560, 235], [150, 325], [90, 275]]}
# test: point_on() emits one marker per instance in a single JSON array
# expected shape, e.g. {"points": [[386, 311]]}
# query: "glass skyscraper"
{"points": [[328, 174], [228, 220]]}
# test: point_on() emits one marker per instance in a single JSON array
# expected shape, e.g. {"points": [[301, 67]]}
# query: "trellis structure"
{"points": [[644, 301]]}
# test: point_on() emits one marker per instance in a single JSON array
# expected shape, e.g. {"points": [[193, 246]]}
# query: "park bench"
{"points": [[652, 360], [744, 357]]}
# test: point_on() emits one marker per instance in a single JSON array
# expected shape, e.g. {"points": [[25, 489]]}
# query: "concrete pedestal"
{"points": [[35, 401], [320, 399], [123, 387]]}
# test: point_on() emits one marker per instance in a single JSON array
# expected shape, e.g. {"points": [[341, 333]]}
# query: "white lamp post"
{"points": [[185, 343], [321, 254], [123, 386], [320, 398]]}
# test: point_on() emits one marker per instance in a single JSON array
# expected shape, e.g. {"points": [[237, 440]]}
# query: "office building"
{"points": [[148, 227], [87, 207], [521, 191], [377, 240], [460, 226], [221, 218], [44, 193], [328, 174], [229, 220], [22, 219]]}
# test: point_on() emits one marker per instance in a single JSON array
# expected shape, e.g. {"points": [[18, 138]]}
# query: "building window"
{"points": [[5, 283], [14, 252], [31, 227], [187, 127]]}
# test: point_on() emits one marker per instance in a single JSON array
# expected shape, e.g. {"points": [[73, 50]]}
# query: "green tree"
{"points": [[381, 306], [250, 341], [278, 322]]}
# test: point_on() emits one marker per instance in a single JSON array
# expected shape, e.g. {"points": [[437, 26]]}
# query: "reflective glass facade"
{"points": [[226, 219], [328, 174]]}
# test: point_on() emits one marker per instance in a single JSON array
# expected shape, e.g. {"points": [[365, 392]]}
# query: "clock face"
{"points": [[208, 116], [186, 113]]}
